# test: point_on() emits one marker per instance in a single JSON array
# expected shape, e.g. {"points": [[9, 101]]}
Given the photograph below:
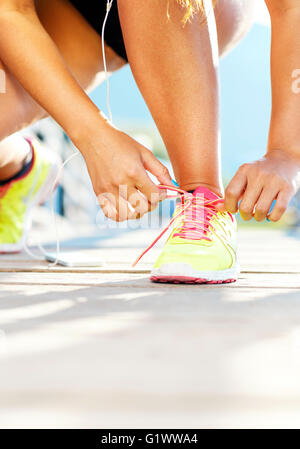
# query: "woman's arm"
{"points": [[285, 59], [31, 55], [277, 175], [112, 158]]}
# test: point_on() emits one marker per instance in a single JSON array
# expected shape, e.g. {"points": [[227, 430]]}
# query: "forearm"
{"points": [[285, 58], [31, 55]]}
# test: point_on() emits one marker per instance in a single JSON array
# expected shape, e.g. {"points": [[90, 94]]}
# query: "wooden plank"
{"points": [[257, 253], [78, 356], [139, 280], [114, 268], [29, 267]]}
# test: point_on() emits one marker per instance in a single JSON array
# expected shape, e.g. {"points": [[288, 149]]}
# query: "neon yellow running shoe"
{"points": [[202, 245], [19, 197]]}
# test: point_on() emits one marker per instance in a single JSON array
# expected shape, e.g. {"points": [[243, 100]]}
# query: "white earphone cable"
{"points": [[108, 8], [54, 218]]}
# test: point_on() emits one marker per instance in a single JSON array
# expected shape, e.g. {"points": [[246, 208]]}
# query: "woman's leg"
{"points": [[176, 70], [80, 46]]}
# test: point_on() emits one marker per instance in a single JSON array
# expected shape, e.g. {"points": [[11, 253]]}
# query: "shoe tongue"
{"points": [[206, 193], [189, 228]]}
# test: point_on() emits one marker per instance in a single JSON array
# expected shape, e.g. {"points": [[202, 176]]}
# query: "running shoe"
{"points": [[202, 245], [19, 197]]}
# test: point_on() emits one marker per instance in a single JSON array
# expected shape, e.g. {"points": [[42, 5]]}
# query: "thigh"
{"points": [[234, 18], [80, 46]]}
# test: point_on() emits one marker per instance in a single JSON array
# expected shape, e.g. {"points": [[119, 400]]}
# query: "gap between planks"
{"points": [[86, 270], [250, 281]]}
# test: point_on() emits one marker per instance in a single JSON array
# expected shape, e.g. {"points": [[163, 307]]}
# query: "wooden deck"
{"points": [[106, 348]]}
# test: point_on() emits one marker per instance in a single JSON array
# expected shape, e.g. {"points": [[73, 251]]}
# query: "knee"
{"points": [[234, 19], [14, 120], [17, 110], [5, 130]]}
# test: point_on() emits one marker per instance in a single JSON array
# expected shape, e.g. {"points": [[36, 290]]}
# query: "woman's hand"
{"points": [[256, 185], [117, 166]]}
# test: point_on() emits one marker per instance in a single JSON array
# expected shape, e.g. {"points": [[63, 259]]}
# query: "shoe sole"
{"points": [[40, 198], [167, 274]]}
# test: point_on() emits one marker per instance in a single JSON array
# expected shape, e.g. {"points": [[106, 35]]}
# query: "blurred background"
{"points": [[245, 114]]}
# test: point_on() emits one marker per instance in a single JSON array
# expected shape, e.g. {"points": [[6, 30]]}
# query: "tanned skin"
{"points": [[176, 69]]}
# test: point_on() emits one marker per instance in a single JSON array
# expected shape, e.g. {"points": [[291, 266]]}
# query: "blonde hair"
{"points": [[192, 7]]}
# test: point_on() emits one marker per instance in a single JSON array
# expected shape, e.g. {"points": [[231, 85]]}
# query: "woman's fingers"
{"points": [[124, 209], [115, 207], [128, 203], [155, 167], [130, 192], [282, 202], [122, 174], [277, 173], [108, 206], [234, 192], [138, 202], [264, 203], [152, 193], [249, 200]]}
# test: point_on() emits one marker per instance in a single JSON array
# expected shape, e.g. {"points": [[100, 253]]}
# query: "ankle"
{"points": [[216, 188]]}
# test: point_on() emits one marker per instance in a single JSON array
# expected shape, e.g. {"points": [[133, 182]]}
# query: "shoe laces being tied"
{"points": [[193, 215]]}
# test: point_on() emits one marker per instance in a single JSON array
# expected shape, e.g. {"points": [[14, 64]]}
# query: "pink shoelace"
{"points": [[196, 212]]}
